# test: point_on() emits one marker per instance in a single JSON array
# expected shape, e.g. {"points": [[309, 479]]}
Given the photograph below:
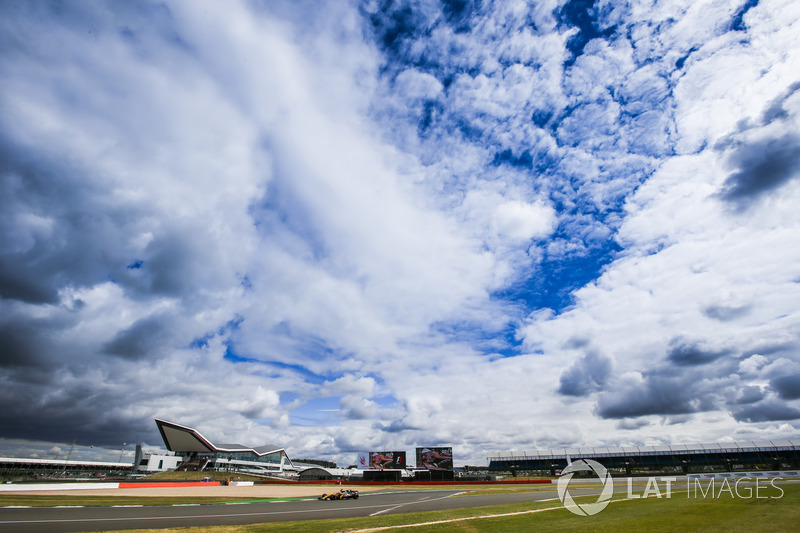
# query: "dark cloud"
{"points": [[78, 413], [763, 166], [35, 344], [691, 354], [577, 343], [766, 411], [588, 374], [19, 344], [58, 228], [146, 337], [788, 387], [632, 424], [177, 262], [775, 110], [750, 394], [657, 395], [692, 379], [726, 313], [72, 400], [397, 426], [786, 349]]}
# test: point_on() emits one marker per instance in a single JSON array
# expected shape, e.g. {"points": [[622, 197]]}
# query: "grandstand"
{"points": [[21, 468], [685, 458]]}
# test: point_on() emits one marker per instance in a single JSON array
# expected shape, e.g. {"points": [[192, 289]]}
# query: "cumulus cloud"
{"points": [[588, 374], [766, 411], [684, 353], [654, 395], [750, 394], [761, 168], [521, 221], [383, 225], [787, 386]]}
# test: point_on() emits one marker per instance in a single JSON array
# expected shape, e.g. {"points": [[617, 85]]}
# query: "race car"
{"points": [[341, 495]]}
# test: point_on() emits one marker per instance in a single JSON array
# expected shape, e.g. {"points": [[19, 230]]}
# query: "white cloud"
{"points": [[521, 221], [271, 208]]}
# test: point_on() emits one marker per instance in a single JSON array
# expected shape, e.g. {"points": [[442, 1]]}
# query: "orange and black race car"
{"points": [[341, 495]]}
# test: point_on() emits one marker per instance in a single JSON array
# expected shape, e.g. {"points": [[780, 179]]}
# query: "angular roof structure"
{"points": [[179, 438]]}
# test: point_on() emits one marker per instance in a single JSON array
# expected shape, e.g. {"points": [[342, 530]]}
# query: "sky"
{"points": [[360, 226]]}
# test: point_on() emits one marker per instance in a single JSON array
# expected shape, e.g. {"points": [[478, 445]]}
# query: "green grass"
{"points": [[678, 514], [174, 475]]}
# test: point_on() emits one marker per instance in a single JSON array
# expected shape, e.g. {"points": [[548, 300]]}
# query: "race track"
{"points": [[59, 519]]}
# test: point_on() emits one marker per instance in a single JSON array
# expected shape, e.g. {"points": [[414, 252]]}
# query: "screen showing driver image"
{"points": [[435, 458], [387, 460]]}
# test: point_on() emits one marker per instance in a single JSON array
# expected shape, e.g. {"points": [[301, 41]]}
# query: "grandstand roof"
{"points": [[178, 438], [66, 463], [653, 450]]}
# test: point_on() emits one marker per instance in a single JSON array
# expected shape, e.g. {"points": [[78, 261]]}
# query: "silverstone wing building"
{"points": [[200, 454]]}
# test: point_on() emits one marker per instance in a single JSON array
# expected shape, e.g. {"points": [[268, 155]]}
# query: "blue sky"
{"points": [[352, 226]]}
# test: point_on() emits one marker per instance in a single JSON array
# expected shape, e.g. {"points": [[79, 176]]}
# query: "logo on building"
{"points": [[585, 465]]}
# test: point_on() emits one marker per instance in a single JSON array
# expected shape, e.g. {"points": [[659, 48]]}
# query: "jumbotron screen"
{"points": [[435, 458], [386, 460]]}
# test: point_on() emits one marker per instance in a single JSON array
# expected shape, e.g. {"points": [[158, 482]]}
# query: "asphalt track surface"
{"points": [[60, 519]]}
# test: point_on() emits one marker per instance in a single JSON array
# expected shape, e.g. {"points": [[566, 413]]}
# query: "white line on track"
{"points": [[189, 517], [425, 499], [387, 510]]}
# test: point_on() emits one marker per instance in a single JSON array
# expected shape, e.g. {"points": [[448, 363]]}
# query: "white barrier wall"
{"points": [[9, 487], [738, 475], [762, 474]]}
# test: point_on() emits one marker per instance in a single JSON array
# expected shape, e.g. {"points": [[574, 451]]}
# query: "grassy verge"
{"points": [[678, 514], [173, 475]]}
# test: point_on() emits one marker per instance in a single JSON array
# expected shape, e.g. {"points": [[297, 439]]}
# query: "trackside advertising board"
{"points": [[382, 460], [435, 458]]}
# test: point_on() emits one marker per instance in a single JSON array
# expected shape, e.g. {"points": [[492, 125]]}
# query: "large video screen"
{"points": [[382, 460], [435, 458]]}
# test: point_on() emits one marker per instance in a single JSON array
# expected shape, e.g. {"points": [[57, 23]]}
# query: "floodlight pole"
{"points": [[64, 473]]}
